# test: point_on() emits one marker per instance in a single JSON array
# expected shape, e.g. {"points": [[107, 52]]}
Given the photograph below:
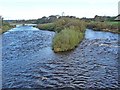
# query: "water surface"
{"points": [[90, 34], [29, 62]]}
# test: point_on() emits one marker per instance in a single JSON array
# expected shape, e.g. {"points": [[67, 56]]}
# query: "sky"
{"points": [[34, 9]]}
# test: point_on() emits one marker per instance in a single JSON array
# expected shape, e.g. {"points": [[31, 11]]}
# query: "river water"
{"points": [[29, 62]]}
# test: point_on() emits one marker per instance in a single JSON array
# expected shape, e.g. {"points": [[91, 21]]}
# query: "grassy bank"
{"points": [[48, 26], [5, 27], [105, 26]]}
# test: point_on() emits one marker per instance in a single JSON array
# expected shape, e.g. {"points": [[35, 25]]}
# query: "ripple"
{"points": [[29, 62]]}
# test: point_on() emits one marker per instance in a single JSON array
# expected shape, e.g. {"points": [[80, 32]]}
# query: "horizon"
{"points": [[53, 15], [34, 9]]}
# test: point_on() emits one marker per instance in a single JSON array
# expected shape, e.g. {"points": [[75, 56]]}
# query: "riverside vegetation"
{"points": [[105, 26], [70, 31], [5, 27]]}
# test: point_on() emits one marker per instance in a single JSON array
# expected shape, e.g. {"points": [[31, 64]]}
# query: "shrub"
{"points": [[60, 23], [76, 24], [66, 22], [67, 39]]}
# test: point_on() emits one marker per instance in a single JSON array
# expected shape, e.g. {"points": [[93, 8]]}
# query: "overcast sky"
{"points": [[33, 9]]}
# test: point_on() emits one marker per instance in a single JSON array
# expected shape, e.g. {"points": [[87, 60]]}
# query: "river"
{"points": [[29, 62]]}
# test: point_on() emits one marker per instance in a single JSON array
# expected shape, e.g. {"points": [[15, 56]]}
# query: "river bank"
{"points": [[107, 26], [5, 27], [93, 64]]}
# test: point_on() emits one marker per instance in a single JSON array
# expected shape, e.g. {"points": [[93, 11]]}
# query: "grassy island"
{"points": [[69, 33]]}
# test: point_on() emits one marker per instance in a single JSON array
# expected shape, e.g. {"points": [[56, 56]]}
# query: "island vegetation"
{"points": [[69, 32]]}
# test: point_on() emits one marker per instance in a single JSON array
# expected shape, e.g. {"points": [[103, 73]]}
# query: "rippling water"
{"points": [[29, 62], [90, 34]]}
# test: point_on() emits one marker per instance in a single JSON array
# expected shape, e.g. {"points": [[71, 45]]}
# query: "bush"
{"points": [[67, 39], [66, 22], [76, 24], [60, 23]]}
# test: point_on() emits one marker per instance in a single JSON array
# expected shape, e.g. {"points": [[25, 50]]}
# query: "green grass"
{"points": [[108, 26], [67, 39], [114, 22]]}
